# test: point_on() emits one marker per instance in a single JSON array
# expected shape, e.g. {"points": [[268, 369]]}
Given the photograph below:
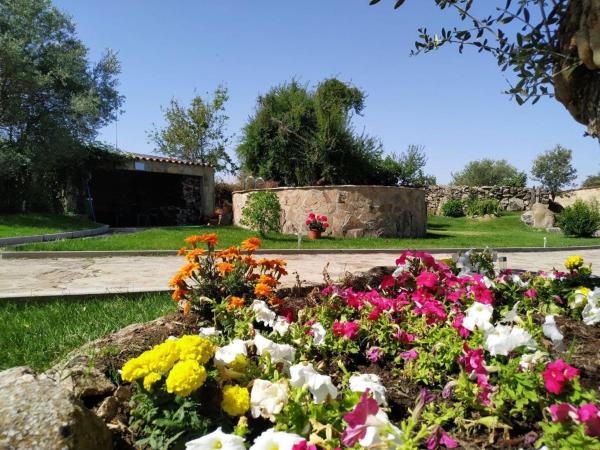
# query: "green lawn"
{"points": [[443, 232], [28, 224], [38, 333]]}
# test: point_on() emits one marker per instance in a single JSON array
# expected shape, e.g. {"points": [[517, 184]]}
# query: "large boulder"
{"points": [[38, 413], [542, 216], [527, 218], [515, 204]]}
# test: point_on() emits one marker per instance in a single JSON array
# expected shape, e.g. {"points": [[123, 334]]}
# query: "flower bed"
{"points": [[429, 356]]}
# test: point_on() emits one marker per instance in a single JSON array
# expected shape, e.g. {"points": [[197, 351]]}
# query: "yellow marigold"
{"points": [[185, 377], [236, 400], [163, 356], [262, 290], [196, 348], [235, 302], [268, 280], [574, 262], [239, 364], [250, 244], [134, 369], [150, 379], [225, 267], [194, 254]]}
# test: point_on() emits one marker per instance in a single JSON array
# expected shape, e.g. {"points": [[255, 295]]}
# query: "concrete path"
{"points": [[82, 276]]}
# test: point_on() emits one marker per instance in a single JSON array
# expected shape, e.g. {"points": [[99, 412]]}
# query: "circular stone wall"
{"points": [[353, 211]]}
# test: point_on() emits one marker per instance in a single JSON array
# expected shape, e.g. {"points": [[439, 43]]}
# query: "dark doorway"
{"points": [[124, 198]]}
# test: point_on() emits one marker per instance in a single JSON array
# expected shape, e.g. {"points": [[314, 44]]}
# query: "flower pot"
{"points": [[314, 234]]}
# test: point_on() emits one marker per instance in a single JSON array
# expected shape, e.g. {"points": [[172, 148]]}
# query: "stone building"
{"points": [[148, 190]]}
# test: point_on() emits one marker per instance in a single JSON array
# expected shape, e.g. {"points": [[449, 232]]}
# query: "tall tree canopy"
{"points": [[52, 100], [196, 133], [554, 169], [299, 136], [550, 45], [489, 172]]}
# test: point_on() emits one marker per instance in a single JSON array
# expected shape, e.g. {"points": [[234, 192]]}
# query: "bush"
{"points": [[453, 208], [580, 219], [484, 207], [261, 212]]}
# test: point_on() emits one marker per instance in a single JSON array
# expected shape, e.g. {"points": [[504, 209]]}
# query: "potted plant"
{"points": [[316, 225]]}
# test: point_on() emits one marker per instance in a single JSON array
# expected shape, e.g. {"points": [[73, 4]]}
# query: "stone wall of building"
{"points": [[510, 198], [353, 211], [589, 195]]}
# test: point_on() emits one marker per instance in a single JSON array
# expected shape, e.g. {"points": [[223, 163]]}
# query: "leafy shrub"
{"points": [[484, 207], [580, 219], [261, 212], [453, 208]]}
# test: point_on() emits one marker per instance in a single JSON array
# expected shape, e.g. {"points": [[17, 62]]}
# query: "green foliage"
{"points": [[489, 172], [261, 212], [52, 102], [523, 36], [196, 133], [591, 181], [302, 137], [580, 219], [554, 169], [482, 207], [453, 208], [408, 167]]}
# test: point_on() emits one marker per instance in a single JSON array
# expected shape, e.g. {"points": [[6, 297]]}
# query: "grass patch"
{"points": [[443, 232], [38, 333], [29, 224]]}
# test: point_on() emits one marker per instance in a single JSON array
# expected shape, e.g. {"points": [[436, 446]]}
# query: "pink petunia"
{"points": [[556, 374], [304, 445], [357, 419], [473, 360], [427, 279], [440, 438], [530, 293], [457, 323], [561, 412], [345, 329], [374, 354], [409, 355], [588, 415]]}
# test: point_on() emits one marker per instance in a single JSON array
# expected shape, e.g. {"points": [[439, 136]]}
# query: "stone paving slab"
{"points": [[84, 276]]}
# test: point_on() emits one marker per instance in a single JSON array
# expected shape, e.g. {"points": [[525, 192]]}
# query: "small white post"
{"points": [[299, 239], [545, 241]]}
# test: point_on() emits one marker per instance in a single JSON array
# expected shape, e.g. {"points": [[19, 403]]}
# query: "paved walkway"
{"points": [[81, 276]]}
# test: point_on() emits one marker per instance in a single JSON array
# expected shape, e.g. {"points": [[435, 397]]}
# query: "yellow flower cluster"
{"points": [[153, 364], [236, 400], [574, 262], [185, 377]]}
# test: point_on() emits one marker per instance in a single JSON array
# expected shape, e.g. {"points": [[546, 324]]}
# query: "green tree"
{"points": [[408, 167], [591, 181], [489, 172], [554, 169], [550, 46], [196, 133], [52, 103], [299, 137]]}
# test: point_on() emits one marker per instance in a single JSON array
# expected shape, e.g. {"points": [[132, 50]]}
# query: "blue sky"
{"points": [[450, 103]]}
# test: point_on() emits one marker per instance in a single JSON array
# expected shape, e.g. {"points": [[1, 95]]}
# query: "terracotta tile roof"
{"points": [[142, 157]]}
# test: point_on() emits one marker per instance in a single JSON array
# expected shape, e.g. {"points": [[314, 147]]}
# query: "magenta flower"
{"points": [[409, 355], [345, 329], [561, 412], [404, 337], [303, 445], [357, 418], [588, 415], [473, 360], [530, 293], [433, 310], [374, 354], [482, 294], [387, 282], [427, 279], [440, 438], [556, 374], [457, 324], [485, 389]]}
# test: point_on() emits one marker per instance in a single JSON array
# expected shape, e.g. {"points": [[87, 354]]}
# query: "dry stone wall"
{"points": [[353, 211], [510, 198]]}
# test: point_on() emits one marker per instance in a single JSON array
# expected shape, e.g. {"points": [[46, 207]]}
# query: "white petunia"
{"points": [[529, 361], [580, 297], [400, 270], [217, 439], [268, 399], [519, 282], [280, 353], [512, 316], [226, 355], [209, 331], [281, 326], [488, 283], [263, 313], [318, 333], [276, 440], [320, 386], [503, 339], [478, 315], [591, 313], [362, 382], [380, 432], [551, 331]]}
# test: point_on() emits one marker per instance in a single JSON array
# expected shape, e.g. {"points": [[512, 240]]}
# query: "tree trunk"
{"points": [[579, 38]]}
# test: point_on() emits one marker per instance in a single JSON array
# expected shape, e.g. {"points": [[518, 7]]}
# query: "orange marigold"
{"points": [[235, 302], [225, 267], [177, 281], [187, 270], [275, 301], [209, 238], [268, 280], [250, 261], [263, 290], [196, 253], [178, 294], [186, 308], [266, 263], [182, 251], [251, 244], [229, 253]]}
